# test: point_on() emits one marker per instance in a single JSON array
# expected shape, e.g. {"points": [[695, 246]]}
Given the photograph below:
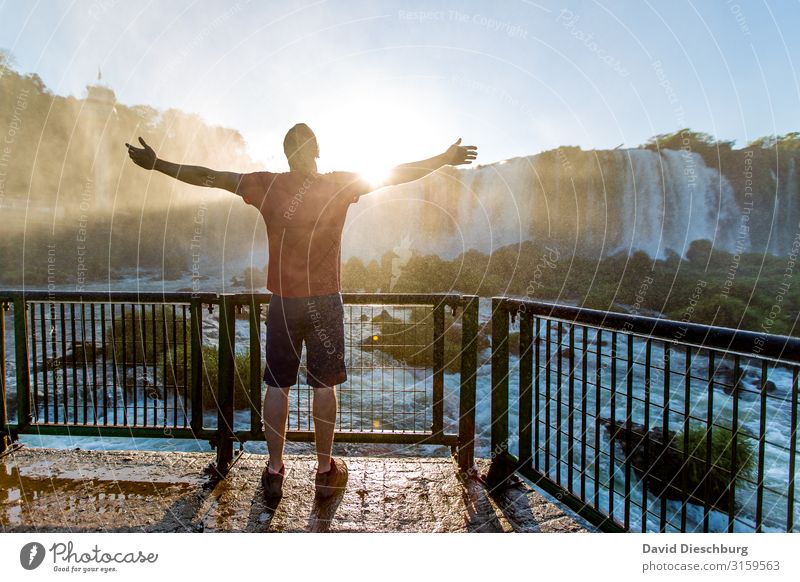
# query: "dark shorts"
{"points": [[317, 321]]}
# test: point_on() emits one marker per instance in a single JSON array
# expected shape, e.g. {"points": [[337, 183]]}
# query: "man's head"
{"points": [[301, 149]]}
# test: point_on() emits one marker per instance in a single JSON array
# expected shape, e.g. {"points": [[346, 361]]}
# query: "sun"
{"points": [[372, 133]]}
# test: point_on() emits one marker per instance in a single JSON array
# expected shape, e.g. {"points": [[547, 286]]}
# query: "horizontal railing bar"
{"points": [[388, 299], [109, 296], [777, 347], [604, 522], [114, 431], [111, 430], [401, 438]]}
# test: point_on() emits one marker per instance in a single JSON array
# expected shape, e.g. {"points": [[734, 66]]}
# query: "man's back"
{"points": [[304, 215]]}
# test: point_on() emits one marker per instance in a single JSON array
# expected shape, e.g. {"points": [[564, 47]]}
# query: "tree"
{"points": [[699, 252]]}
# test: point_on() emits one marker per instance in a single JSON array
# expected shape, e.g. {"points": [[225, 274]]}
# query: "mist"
{"points": [[75, 210]]}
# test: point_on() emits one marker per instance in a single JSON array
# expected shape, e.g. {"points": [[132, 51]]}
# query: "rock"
{"points": [[656, 454], [385, 317], [78, 353]]}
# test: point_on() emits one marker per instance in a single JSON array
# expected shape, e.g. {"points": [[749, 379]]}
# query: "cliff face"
{"points": [[596, 203]]}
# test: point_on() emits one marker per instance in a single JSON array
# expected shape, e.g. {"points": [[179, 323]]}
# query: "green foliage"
{"points": [[731, 292], [133, 334], [173, 373], [789, 142], [709, 148], [723, 467], [241, 379], [166, 358]]}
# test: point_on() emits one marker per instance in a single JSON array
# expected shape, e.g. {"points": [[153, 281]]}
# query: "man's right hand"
{"points": [[144, 156]]}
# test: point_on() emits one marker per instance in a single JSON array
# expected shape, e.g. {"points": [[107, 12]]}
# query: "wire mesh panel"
{"points": [[656, 433], [146, 364], [109, 364], [390, 368]]}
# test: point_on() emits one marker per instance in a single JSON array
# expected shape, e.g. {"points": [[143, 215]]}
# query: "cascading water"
{"points": [[593, 202]]}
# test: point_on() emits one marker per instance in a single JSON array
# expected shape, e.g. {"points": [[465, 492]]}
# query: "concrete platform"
{"points": [[56, 490]]}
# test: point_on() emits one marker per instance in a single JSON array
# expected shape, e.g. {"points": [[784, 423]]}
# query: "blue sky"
{"points": [[392, 81]]}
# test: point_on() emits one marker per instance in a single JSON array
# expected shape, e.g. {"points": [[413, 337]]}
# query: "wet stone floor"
{"points": [[56, 490]]}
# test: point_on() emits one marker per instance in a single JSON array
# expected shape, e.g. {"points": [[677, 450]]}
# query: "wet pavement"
{"points": [[56, 490]]}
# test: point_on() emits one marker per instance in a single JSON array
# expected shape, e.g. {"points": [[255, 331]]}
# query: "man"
{"points": [[304, 212]]}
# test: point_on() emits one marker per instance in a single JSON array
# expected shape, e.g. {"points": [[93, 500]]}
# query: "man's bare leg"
{"points": [[275, 413], [324, 410]]}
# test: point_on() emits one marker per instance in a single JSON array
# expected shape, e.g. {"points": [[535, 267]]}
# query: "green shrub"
{"points": [[134, 333], [173, 375], [723, 468]]}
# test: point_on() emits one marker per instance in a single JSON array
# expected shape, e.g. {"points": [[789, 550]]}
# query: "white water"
{"points": [[372, 393], [586, 202]]}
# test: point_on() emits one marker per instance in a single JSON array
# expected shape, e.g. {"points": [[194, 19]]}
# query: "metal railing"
{"points": [[646, 424], [182, 365]]}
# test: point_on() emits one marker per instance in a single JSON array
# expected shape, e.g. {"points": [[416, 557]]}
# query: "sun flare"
{"points": [[371, 135]]}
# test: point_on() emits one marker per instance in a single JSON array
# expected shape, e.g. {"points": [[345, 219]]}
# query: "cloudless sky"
{"points": [[396, 81]]}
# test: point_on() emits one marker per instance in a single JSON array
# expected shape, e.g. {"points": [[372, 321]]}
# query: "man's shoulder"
{"points": [[341, 177], [263, 177], [350, 182]]}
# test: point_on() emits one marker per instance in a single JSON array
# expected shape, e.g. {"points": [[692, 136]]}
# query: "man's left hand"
{"points": [[458, 155]]}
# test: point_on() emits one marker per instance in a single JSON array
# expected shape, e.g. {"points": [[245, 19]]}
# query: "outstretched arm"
{"points": [[455, 155], [146, 158]]}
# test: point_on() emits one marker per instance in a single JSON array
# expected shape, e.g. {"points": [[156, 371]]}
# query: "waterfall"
{"points": [[594, 203]]}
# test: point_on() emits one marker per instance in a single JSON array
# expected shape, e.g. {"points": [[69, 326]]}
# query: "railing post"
{"points": [[4, 435], [225, 382], [255, 365], [499, 415], [469, 368], [24, 415], [526, 426], [196, 346], [437, 427]]}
